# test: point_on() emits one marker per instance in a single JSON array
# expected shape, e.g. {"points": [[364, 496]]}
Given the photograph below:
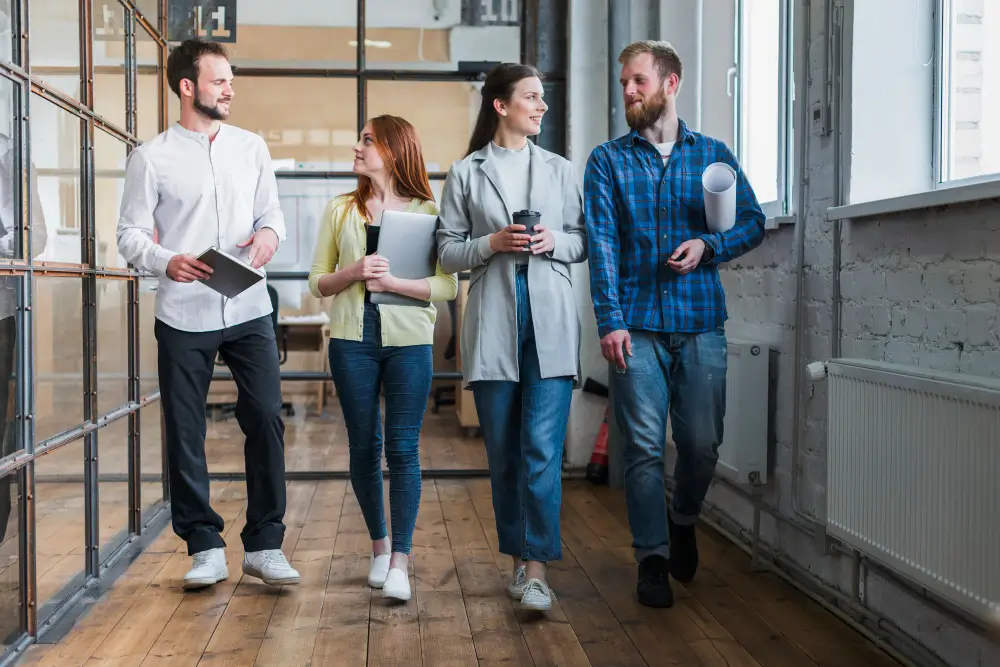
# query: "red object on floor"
{"points": [[597, 469]]}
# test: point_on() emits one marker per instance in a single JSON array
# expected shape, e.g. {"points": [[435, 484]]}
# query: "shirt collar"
{"points": [[684, 135], [198, 136]]}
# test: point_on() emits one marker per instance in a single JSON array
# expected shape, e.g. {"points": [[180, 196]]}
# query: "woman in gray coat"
{"points": [[520, 338]]}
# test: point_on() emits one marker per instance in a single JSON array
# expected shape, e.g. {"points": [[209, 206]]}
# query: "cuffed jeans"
{"points": [[359, 369], [524, 425], [683, 375]]}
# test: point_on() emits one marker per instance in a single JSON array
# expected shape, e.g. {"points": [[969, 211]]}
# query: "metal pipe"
{"points": [[362, 87], [29, 547], [829, 598], [619, 36], [320, 376], [799, 245], [836, 73], [699, 37], [282, 174]]}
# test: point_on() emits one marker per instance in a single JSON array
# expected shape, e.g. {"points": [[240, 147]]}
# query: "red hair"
{"points": [[399, 147]]}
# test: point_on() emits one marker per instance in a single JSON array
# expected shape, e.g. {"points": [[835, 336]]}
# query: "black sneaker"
{"points": [[654, 584], [683, 551]]}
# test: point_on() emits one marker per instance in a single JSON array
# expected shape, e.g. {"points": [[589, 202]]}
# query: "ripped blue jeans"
{"points": [[683, 375]]}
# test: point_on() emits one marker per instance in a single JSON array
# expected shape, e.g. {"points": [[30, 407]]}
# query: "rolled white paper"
{"points": [[719, 184]]}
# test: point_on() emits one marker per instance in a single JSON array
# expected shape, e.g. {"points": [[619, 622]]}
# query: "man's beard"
{"points": [[648, 112], [215, 113]]}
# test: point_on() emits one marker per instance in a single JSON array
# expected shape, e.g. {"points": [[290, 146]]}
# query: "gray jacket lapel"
{"points": [[485, 158]]}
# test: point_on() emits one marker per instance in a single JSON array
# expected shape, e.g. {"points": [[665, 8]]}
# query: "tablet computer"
{"points": [[408, 241], [230, 276]]}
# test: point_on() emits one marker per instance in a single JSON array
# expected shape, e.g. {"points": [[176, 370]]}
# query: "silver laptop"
{"points": [[408, 241]]}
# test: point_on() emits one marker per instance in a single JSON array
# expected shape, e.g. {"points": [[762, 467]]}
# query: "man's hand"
{"points": [[543, 241], [687, 257], [187, 269], [265, 242], [510, 239], [387, 283], [615, 346], [370, 267]]}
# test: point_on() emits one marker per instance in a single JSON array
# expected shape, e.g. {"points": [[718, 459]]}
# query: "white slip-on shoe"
{"points": [[271, 566], [536, 595], [379, 570], [397, 585], [515, 588], [209, 569]]}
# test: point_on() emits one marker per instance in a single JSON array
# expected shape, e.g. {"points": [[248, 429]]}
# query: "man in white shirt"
{"points": [[204, 183]]}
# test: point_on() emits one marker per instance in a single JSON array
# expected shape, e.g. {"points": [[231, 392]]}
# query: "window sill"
{"points": [[773, 222], [958, 194]]}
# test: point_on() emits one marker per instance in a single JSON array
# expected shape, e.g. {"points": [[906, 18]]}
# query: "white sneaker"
{"points": [[271, 566], [209, 568], [536, 595], [378, 570], [517, 583], [397, 585]]}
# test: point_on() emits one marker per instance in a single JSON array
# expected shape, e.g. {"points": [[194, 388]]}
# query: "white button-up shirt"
{"points": [[9, 233], [198, 194]]}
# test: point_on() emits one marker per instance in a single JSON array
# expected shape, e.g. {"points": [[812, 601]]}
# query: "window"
{"points": [[762, 118], [745, 97], [969, 59]]}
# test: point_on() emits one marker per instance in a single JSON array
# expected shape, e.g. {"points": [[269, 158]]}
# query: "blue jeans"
{"points": [[684, 374], [524, 425], [359, 370]]}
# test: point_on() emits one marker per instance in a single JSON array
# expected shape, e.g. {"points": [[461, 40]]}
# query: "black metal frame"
{"points": [[37, 614], [543, 39]]}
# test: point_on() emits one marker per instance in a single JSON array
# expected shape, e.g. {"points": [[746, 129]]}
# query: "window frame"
{"points": [[940, 179], [784, 204]]}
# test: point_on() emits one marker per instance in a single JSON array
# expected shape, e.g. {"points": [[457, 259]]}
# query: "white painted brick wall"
{"points": [[919, 288]]}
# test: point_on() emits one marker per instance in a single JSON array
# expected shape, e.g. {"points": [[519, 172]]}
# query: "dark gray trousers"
{"points": [[186, 363]]}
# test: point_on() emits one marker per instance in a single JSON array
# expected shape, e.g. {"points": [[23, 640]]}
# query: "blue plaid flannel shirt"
{"points": [[638, 211]]}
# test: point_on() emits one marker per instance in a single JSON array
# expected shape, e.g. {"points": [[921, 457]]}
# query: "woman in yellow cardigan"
{"points": [[375, 347]]}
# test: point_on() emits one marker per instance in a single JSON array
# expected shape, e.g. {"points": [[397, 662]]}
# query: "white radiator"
{"points": [[744, 448], [913, 475]]}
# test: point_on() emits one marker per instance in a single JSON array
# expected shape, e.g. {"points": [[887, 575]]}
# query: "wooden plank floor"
{"points": [[460, 614]]}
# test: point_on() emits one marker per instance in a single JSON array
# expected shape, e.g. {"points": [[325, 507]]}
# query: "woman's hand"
{"points": [[386, 283], [370, 267], [510, 239], [543, 241]]}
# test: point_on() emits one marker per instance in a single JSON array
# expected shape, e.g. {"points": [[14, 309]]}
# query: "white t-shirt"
{"points": [[665, 149]]}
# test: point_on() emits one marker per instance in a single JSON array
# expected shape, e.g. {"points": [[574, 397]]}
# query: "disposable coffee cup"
{"points": [[527, 218]]}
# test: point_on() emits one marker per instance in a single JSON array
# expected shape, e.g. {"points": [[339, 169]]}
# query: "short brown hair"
{"points": [[664, 56], [182, 63]]}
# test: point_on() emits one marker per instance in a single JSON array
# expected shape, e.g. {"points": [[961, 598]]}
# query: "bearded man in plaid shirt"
{"points": [[661, 308]]}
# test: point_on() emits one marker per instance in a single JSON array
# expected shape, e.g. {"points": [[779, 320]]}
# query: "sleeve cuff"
{"points": [[485, 251], [163, 257], [712, 247], [270, 222], [615, 325], [558, 236]]}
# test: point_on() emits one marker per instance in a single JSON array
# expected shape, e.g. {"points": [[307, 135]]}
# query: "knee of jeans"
{"points": [[365, 455], [402, 456], [642, 451]]}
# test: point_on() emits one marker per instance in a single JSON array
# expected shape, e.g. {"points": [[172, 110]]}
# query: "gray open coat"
{"points": [[473, 207]]}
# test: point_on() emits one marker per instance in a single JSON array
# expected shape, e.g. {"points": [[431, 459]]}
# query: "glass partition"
{"points": [[82, 464]]}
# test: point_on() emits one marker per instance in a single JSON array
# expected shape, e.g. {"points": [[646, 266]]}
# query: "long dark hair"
{"points": [[499, 85]]}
